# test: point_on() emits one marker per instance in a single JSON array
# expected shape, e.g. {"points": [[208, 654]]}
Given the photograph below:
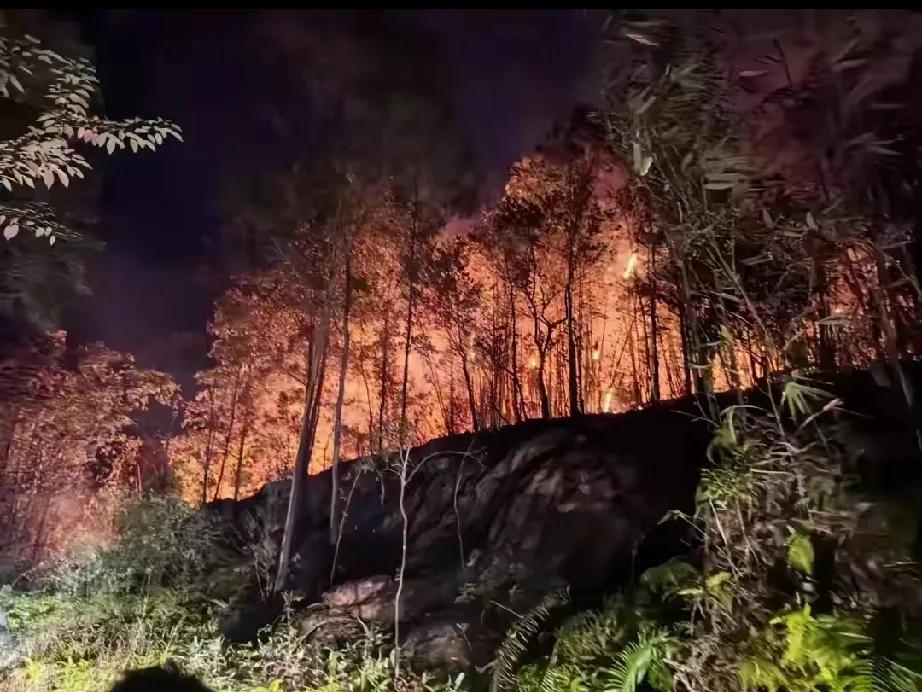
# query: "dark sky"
{"points": [[507, 77]]}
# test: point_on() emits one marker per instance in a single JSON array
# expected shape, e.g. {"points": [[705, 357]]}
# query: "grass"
{"points": [[84, 643]]}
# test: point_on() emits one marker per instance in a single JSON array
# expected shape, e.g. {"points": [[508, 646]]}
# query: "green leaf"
{"points": [[800, 552], [670, 577], [800, 398], [645, 655]]}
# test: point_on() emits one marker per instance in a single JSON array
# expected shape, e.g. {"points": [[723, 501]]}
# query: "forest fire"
{"points": [[731, 228]]}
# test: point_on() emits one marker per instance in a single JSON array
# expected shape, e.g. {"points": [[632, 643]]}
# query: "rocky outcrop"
{"points": [[496, 519], [499, 518]]}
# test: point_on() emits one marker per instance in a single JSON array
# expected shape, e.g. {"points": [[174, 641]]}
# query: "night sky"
{"points": [[223, 76]]}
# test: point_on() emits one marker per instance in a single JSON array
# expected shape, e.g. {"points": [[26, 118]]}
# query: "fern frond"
{"points": [[890, 676], [590, 636], [519, 636], [638, 659], [669, 578], [757, 673]]}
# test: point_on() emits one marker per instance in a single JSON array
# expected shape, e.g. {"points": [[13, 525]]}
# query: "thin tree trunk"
{"points": [[338, 414], [305, 445], [753, 369], [39, 541], [654, 334], [239, 470], [404, 452], [470, 391], [452, 417], [542, 387], [401, 572], [518, 397], [410, 271], [230, 431], [638, 396], [407, 347], [371, 413], [495, 376], [686, 354], [298, 482], [439, 399], [704, 383], [648, 375], [572, 378], [382, 399], [315, 412], [542, 346], [206, 465]]}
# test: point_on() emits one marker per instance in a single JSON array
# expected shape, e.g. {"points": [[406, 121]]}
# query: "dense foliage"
{"points": [[52, 97]]}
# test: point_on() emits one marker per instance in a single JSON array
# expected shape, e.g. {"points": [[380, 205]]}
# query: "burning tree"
{"points": [[72, 439]]}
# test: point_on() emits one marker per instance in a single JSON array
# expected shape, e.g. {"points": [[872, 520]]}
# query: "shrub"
{"points": [[160, 543], [146, 599]]}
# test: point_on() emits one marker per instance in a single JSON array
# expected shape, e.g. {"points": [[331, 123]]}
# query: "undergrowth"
{"points": [[150, 599], [785, 594]]}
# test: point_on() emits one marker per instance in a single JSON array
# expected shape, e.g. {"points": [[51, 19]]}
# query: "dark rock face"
{"points": [[497, 519], [247, 615]]}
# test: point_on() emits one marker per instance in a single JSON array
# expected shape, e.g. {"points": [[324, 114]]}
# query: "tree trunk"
{"points": [[638, 395], [230, 431], [542, 387], [572, 375], [518, 398], [541, 345], [238, 471], [206, 464], [371, 413], [703, 377], [411, 273], [382, 398], [298, 482], [472, 403], [452, 419], [686, 354], [654, 334], [315, 412], [305, 445], [338, 414], [407, 347]]}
